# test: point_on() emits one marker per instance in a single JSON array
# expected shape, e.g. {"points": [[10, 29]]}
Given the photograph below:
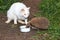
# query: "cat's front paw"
{"points": [[26, 22], [15, 23], [21, 22]]}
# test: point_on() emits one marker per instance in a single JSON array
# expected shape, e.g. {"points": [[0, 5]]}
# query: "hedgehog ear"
{"points": [[28, 8], [22, 10]]}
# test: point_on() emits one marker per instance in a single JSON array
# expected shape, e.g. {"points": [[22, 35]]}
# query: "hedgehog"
{"points": [[39, 23]]}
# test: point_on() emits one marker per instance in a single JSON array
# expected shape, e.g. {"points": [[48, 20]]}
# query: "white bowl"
{"points": [[24, 26], [24, 29]]}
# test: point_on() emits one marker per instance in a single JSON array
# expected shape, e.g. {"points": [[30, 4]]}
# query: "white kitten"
{"points": [[17, 12]]}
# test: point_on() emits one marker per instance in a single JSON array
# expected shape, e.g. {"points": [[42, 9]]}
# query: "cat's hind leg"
{"points": [[8, 21]]}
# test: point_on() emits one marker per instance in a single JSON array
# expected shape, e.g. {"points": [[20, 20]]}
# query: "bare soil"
{"points": [[12, 32]]}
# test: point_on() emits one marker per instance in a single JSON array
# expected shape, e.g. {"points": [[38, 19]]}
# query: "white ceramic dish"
{"points": [[24, 26], [24, 29]]}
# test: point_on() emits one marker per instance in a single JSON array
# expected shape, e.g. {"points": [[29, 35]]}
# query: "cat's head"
{"points": [[25, 12]]}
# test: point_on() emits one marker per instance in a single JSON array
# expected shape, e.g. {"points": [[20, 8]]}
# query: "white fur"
{"points": [[15, 13]]}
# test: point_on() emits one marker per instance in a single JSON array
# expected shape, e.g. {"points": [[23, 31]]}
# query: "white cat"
{"points": [[17, 12]]}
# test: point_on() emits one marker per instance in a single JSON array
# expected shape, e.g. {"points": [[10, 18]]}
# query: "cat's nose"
{"points": [[24, 14]]}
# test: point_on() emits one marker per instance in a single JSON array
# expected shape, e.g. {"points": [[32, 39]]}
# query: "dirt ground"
{"points": [[11, 31]]}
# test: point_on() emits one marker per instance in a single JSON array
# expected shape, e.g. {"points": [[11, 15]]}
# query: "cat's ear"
{"points": [[28, 8]]}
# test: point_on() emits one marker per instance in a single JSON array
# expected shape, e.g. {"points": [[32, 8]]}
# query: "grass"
{"points": [[51, 10], [5, 4]]}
